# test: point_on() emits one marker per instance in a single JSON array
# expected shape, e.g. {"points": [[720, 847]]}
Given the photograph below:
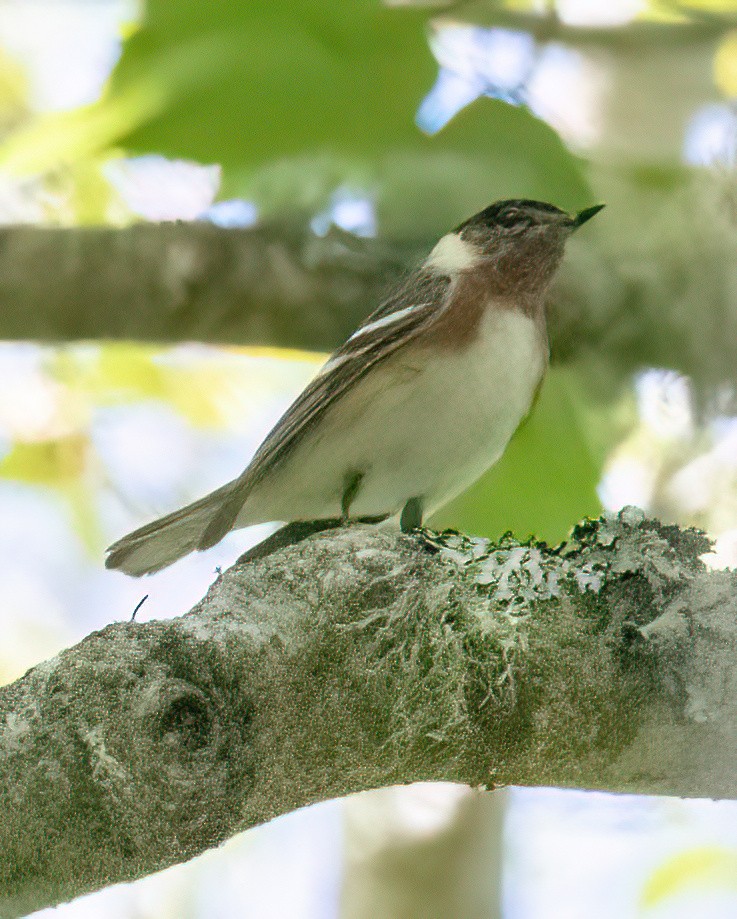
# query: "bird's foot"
{"points": [[289, 535], [411, 518], [296, 531], [350, 489]]}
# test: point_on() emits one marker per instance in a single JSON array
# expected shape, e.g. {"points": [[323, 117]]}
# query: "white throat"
{"points": [[452, 254]]}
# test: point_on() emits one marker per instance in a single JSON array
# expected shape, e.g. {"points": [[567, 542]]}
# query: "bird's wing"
{"points": [[396, 322]]}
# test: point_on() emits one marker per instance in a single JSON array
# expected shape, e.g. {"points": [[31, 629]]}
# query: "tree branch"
{"points": [[623, 299], [361, 658], [189, 281]]}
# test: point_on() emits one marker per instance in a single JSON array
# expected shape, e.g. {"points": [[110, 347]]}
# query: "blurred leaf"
{"points": [[46, 462], [276, 79], [725, 65], [248, 84], [82, 499], [123, 372], [706, 868], [14, 91], [64, 138], [547, 477], [716, 7], [89, 192]]}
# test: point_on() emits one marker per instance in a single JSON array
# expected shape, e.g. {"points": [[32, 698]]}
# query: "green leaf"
{"points": [[46, 462], [252, 83], [547, 477], [705, 868]]}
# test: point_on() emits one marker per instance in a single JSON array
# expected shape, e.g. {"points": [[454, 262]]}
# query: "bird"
{"points": [[415, 406]]}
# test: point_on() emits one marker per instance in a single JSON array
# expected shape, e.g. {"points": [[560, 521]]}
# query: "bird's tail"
{"points": [[167, 539]]}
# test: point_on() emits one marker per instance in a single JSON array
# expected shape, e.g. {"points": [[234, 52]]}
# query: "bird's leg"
{"points": [[352, 483], [411, 518]]}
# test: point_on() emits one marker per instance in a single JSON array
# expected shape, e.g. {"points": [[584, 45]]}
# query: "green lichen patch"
{"points": [[625, 547], [569, 626]]}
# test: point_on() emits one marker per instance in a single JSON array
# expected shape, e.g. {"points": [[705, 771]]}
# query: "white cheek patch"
{"points": [[452, 254]]}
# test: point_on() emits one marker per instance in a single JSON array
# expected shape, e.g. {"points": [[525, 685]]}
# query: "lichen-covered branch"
{"points": [[361, 658]]}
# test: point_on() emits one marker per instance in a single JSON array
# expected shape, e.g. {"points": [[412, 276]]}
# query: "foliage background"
{"points": [[351, 126]]}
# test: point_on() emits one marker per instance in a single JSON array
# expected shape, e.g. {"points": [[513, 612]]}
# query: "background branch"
{"points": [[358, 659], [189, 281], [622, 300]]}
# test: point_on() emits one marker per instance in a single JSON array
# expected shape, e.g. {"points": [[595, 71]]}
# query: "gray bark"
{"points": [[654, 285], [361, 658], [189, 281]]}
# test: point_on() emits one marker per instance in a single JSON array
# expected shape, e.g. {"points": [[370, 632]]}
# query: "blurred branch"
{"points": [[188, 281], [651, 284], [695, 24], [359, 659]]}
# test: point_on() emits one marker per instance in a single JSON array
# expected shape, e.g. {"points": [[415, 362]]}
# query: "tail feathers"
{"points": [[162, 542], [223, 520]]}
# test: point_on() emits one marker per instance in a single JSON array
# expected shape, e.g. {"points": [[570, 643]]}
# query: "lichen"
{"points": [[515, 576]]}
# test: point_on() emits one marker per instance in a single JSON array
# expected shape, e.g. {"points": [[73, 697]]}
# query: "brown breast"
{"points": [[482, 288]]}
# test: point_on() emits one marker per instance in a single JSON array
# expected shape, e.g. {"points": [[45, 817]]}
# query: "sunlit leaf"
{"points": [[121, 373], [245, 85], [14, 90], [547, 477], [704, 868], [46, 462], [725, 65]]}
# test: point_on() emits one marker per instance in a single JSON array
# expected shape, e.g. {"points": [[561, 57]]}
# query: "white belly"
{"points": [[413, 431]]}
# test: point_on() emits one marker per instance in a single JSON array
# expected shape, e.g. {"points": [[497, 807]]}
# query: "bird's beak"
{"points": [[586, 214]]}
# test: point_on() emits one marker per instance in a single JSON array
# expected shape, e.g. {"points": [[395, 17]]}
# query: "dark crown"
{"points": [[512, 212]]}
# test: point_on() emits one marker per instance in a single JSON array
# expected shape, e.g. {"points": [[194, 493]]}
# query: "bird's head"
{"points": [[519, 224], [519, 241]]}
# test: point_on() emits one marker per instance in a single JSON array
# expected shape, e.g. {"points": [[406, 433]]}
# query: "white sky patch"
{"points": [[449, 95], [474, 61], [707, 483], [452, 254], [559, 84], [664, 403], [710, 137], [33, 406], [160, 189], [598, 12], [584, 854], [567, 90], [724, 552], [665, 410], [626, 481], [68, 48], [501, 58], [148, 452], [232, 214], [352, 211]]}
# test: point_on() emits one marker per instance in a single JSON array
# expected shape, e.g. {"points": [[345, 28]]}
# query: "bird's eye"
{"points": [[515, 220]]}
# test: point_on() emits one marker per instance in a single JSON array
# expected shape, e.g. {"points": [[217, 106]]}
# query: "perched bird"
{"points": [[414, 407]]}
